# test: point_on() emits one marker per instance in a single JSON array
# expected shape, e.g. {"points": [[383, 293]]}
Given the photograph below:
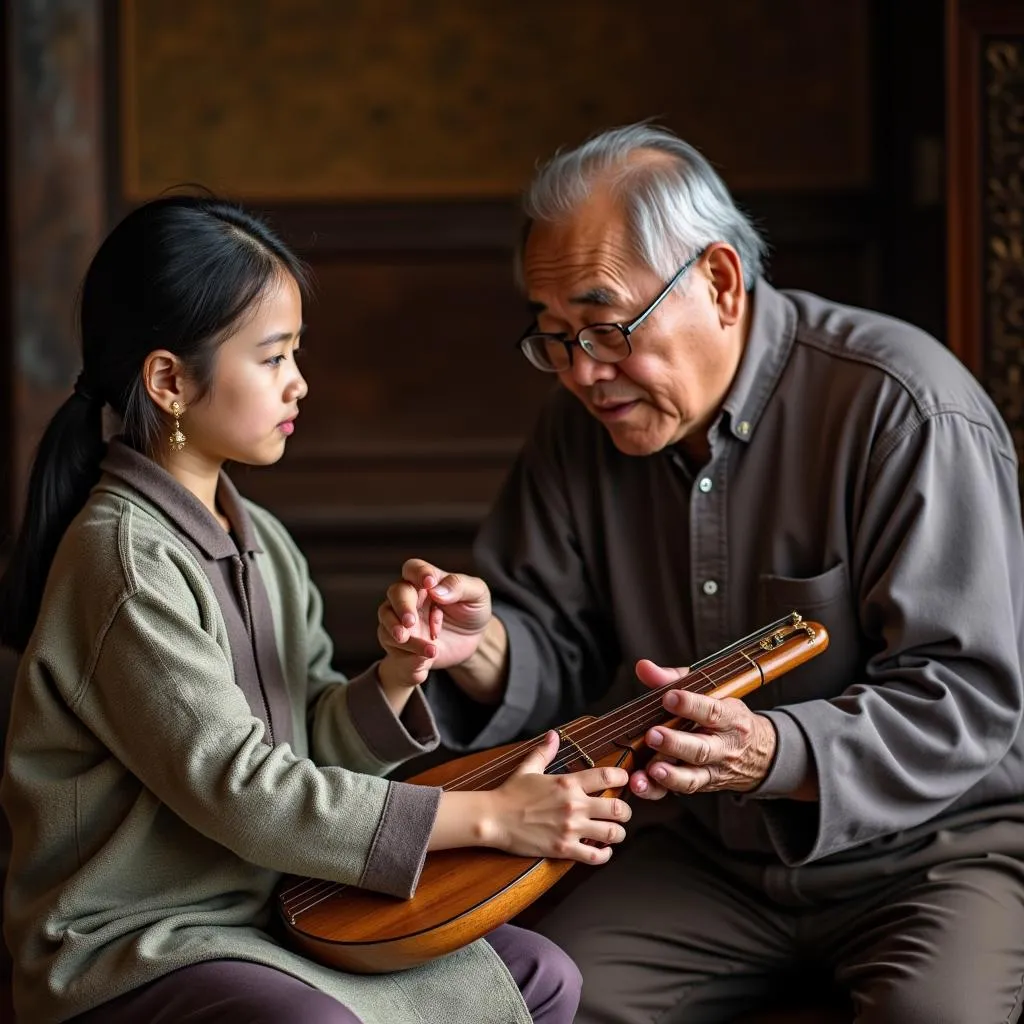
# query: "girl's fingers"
{"points": [[402, 599], [604, 832], [411, 645], [587, 853], [387, 619], [608, 809]]}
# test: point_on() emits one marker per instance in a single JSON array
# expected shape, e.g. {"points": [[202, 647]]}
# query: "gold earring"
{"points": [[177, 439]]}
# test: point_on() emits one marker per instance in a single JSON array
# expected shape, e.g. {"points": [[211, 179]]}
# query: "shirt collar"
{"points": [[769, 341], [181, 506]]}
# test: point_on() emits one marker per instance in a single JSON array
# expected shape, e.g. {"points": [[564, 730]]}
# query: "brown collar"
{"points": [[181, 506]]}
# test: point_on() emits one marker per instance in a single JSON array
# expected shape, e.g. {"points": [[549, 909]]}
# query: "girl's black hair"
{"points": [[175, 274]]}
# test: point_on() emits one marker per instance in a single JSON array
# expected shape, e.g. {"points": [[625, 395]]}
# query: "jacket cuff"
{"points": [[400, 842], [792, 761], [390, 738]]}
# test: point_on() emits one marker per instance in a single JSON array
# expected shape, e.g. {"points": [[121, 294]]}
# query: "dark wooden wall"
{"points": [[387, 140], [54, 166]]}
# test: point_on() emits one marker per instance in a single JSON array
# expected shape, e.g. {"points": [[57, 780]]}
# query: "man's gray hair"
{"points": [[674, 207]]}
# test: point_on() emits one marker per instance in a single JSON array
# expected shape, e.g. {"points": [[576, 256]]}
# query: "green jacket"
{"points": [[152, 817]]}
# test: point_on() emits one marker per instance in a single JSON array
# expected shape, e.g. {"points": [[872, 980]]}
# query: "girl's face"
{"points": [[249, 413]]}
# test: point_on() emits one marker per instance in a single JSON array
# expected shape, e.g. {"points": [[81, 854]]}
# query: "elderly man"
{"points": [[721, 452]]}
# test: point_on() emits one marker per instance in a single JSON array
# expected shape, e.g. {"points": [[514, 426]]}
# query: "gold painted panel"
{"points": [[404, 99]]}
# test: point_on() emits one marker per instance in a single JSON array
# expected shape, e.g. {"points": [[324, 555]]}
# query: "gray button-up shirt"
{"points": [[859, 475]]}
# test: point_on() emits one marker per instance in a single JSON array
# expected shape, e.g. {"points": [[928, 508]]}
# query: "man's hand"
{"points": [[731, 747]]}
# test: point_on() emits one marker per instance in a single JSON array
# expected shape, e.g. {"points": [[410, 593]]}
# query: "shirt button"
{"points": [[743, 428], [705, 484], [710, 588]]}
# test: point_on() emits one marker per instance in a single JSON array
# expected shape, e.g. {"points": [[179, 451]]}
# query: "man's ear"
{"points": [[725, 273]]}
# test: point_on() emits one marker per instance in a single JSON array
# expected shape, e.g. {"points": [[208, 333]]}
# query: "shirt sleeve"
{"points": [[160, 695], [938, 562], [350, 721], [562, 651]]}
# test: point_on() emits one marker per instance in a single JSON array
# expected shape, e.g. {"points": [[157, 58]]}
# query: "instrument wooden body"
{"points": [[463, 894]]}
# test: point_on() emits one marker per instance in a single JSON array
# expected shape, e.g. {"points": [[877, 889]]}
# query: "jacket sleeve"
{"points": [[350, 721], [563, 652], [938, 556], [159, 693]]}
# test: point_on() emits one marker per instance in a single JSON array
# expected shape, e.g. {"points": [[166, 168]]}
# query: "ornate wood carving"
{"points": [[985, 97], [1002, 125]]}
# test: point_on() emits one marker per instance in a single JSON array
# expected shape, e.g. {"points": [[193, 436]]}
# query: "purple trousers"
{"points": [[238, 992]]}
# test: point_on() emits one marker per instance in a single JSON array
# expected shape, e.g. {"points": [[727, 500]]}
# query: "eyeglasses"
{"points": [[606, 343]]}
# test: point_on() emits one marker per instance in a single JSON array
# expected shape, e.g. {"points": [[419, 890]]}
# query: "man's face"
{"points": [[581, 271]]}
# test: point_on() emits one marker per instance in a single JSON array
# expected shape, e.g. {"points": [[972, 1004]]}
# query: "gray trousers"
{"points": [[665, 934], [237, 992]]}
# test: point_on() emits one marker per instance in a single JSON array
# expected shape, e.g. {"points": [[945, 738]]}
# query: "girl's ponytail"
{"points": [[65, 469]]}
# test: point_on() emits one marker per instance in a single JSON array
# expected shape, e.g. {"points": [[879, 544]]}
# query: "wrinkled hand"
{"points": [[730, 748], [540, 815], [431, 619]]}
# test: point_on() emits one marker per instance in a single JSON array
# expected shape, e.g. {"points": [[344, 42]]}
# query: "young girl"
{"points": [[178, 738]]}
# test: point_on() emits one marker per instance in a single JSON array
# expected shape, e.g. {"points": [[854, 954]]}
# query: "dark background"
{"points": [[387, 141]]}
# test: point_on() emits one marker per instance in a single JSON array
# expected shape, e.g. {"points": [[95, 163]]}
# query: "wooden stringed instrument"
{"points": [[465, 893]]}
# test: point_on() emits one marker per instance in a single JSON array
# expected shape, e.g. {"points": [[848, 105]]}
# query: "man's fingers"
{"points": [[682, 779], [657, 676], [417, 571], [645, 787], [454, 587], [709, 712], [689, 747]]}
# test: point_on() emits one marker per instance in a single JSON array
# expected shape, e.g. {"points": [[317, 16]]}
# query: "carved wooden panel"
{"points": [[986, 198], [1003, 227], [319, 99], [7, 434]]}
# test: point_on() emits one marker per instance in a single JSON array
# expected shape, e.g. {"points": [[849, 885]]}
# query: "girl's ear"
{"points": [[163, 378]]}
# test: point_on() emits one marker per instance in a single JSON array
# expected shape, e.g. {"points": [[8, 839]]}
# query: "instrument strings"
{"points": [[607, 727], [309, 892]]}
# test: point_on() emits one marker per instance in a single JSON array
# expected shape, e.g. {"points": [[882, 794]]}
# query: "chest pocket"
{"points": [[826, 598]]}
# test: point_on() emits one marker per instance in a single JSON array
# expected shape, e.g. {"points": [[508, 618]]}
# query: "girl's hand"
{"points": [[540, 815], [431, 619]]}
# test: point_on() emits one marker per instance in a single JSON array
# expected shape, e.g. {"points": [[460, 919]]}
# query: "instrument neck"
{"points": [[734, 671]]}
